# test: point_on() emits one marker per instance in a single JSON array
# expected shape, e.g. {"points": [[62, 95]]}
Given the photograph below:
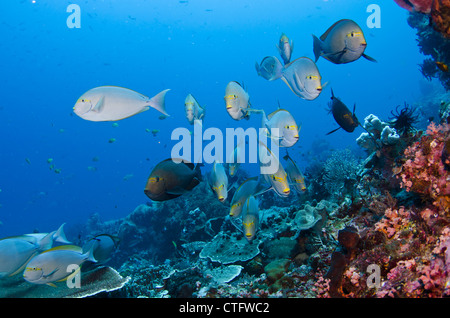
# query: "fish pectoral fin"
{"points": [[333, 131], [99, 106], [177, 191], [51, 284], [367, 57]]}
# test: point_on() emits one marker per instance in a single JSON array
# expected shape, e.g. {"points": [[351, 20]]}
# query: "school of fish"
{"points": [[34, 256]]}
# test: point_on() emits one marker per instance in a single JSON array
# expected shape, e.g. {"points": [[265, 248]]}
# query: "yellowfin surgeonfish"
{"points": [[193, 110], [112, 103], [218, 181], [342, 43], [237, 101], [285, 48], [277, 180], [250, 218], [287, 132], [295, 176], [301, 75], [16, 251], [251, 186], [270, 68], [52, 265], [235, 159]]}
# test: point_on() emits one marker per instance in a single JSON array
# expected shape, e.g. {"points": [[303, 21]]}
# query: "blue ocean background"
{"points": [[193, 46]]}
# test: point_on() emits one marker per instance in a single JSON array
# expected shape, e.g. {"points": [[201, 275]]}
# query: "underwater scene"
{"points": [[225, 149]]}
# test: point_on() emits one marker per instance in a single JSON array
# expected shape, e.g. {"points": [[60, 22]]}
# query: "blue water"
{"points": [[194, 46]]}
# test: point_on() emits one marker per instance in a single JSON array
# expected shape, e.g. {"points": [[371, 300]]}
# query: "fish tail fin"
{"points": [[258, 69], [317, 47], [89, 255], [60, 236], [158, 102], [198, 171]]}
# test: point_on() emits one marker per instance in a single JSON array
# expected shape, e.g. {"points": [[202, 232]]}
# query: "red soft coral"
{"points": [[423, 6]]}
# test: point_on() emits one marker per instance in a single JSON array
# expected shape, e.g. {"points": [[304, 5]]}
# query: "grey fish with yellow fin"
{"points": [[250, 218], [252, 186], [193, 109], [102, 245], [16, 251], [301, 75], [235, 159], [237, 101], [270, 68], [218, 181], [276, 179], [342, 43], [170, 179], [112, 103], [285, 48], [52, 265], [287, 133], [295, 176]]}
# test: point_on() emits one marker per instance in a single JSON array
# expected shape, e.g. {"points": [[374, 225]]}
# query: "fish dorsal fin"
{"points": [[273, 113], [99, 106], [249, 179], [72, 248], [354, 108], [324, 36]]}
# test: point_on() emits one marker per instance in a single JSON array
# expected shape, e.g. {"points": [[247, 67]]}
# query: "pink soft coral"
{"points": [[423, 171]]}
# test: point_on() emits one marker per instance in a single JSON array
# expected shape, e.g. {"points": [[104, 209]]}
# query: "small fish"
{"points": [[270, 68], [301, 75], [112, 103], [237, 101], [442, 66], [218, 181], [286, 132], [102, 245], [252, 186], [303, 78], [155, 132], [342, 43], [235, 160], [16, 251], [193, 110], [277, 180], [169, 179], [51, 266], [111, 140], [250, 218], [295, 177], [343, 116], [285, 48]]}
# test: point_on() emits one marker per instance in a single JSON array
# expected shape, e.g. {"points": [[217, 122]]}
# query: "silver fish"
{"points": [[193, 110], [287, 132], [270, 68], [303, 78], [237, 101], [285, 48], [218, 181], [112, 103], [252, 186], [235, 159], [342, 43], [277, 180], [16, 251], [301, 75], [295, 176], [53, 264], [250, 218]]}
